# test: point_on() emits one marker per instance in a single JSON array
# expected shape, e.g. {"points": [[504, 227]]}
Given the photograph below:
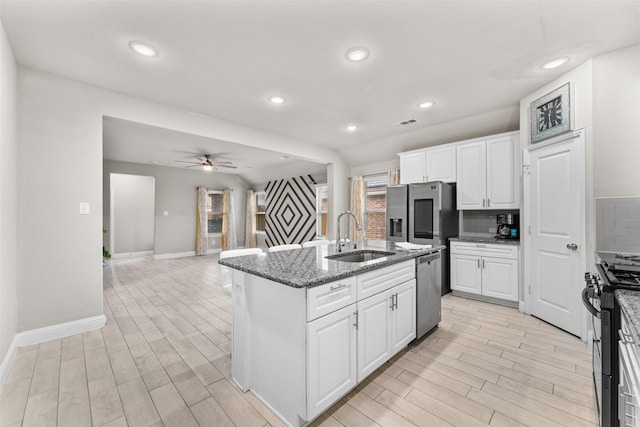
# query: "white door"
{"points": [[466, 275], [374, 333], [331, 370], [441, 164], [500, 278], [503, 167], [404, 315], [412, 168], [471, 176], [555, 215]]}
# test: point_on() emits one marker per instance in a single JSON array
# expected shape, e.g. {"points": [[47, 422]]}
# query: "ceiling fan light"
{"points": [[207, 167]]}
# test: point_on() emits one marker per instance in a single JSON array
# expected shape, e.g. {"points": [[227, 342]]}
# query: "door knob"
{"points": [[572, 246]]}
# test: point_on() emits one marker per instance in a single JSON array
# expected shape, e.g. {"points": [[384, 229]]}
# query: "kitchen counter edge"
{"points": [[485, 240], [298, 267]]}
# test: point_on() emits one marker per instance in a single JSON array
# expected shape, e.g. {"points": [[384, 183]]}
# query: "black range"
{"points": [[614, 271]]}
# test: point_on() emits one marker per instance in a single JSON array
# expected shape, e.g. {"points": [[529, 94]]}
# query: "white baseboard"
{"points": [[7, 362], [174, 255], [213, 251], [48, 333], [131, 254]]}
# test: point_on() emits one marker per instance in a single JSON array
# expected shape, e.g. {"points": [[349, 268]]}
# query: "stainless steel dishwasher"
{"points": [[428, 293]]}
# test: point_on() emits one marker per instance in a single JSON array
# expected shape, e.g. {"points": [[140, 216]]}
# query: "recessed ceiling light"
{"points": [[351, 128], [426, 104], [555, 63], [283, 157], [154, 162], [277, 100], [143, 49], [356, 54]]}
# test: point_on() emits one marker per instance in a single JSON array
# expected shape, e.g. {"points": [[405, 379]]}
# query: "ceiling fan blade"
{"points": [[193, 166], [225, 166], [192, 163], [221, 163]]}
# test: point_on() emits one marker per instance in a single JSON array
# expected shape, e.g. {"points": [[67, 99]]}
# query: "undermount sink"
{"points": [[359, 256]]}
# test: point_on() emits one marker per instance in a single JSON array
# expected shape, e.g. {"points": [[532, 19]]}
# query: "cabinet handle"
{"points": [[355, 313], [483, 200], [488, 202], [333, 288], [391, 306], [396, 299], [483, 263], [478, 262]]}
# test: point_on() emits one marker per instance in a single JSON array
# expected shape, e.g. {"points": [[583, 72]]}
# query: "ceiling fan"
{"points": [[208, 164]]}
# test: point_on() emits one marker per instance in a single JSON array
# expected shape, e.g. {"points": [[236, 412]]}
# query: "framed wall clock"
{"points": [[550, 114]]}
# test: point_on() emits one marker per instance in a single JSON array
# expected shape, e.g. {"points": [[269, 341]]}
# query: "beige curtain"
{"points": [[357, 206], [250, 223], [229, 240], [394, 177], [201, 222]]}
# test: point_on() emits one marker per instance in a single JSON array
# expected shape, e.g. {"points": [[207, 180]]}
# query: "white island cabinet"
{"points": [[302, 349]]}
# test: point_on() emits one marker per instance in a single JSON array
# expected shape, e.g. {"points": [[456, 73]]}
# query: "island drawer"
{"points": [[376, 281], [329, 297]]}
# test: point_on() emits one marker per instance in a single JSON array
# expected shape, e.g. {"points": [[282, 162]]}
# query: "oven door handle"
{"points": [[585, 300]]}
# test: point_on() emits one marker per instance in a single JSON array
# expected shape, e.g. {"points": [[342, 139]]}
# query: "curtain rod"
{"points": [[370, 175]]}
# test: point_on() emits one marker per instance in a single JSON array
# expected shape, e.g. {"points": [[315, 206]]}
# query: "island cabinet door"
{"points": [[374, 333], [331, 359], [404, 315]]}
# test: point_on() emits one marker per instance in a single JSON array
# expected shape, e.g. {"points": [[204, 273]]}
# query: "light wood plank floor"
{"points": [[164, 359]]}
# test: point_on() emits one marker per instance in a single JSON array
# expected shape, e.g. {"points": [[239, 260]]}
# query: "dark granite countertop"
{"points": [[630, 304], [308, 267], [491, 240]]}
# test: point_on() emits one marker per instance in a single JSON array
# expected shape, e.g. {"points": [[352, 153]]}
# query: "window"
{"points": [[261, 206], [375, 188], [215, 209], [322, 204]]}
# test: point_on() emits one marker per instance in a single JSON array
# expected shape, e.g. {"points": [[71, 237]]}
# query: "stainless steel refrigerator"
{"points": [[424, 213]]}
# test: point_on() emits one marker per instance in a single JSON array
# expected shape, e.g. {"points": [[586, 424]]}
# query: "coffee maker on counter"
{"points": [[508, 226]]}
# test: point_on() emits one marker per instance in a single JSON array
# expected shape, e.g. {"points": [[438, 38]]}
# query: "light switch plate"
{"points": [[84, 208], [165, 213]]}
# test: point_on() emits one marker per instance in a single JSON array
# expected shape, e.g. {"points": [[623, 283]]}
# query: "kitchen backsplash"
{"points": [[618, 224], [479, 223]]}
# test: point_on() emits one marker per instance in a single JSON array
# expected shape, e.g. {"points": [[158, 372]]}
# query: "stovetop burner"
{"points": [[621, 270]]}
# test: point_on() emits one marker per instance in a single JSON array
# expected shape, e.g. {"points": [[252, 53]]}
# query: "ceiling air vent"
{"points": [[405, 122]]}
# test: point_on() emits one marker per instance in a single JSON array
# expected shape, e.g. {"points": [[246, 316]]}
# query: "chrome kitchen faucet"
{"points": [[338, 245]]}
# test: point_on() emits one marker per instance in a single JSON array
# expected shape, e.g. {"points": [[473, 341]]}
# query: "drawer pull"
{"points": [[333, 288]]}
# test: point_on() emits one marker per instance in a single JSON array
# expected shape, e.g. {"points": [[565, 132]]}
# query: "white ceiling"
{"points": [[476, 59], [138, 143]]}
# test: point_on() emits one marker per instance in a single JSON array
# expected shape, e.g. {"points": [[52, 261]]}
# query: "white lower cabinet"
{"points": [[386, 324], [305, 348], [485, 269], [331, 358]]}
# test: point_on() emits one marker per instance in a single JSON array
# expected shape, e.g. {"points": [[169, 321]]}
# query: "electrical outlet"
{"points": [[165, 213], [84, 208]]}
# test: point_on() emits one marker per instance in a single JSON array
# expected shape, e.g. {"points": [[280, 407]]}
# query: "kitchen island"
{"points": [[308, 328]]}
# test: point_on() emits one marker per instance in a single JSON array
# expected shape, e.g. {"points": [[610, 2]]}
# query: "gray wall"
{"points": [[8, 196], [133, 198], [175, 192], [616, 133]]}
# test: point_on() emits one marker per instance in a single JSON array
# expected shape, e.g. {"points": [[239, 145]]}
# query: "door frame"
{"points": [[580, 136]]}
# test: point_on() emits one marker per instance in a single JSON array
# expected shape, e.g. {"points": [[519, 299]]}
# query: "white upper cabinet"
{"points": [[503, 184], [430, 164], [441, 163], [413, 167], [472, 172], [487, 173]]}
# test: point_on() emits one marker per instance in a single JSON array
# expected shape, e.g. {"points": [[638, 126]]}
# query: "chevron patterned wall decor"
{"points": [[290, 211]]}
